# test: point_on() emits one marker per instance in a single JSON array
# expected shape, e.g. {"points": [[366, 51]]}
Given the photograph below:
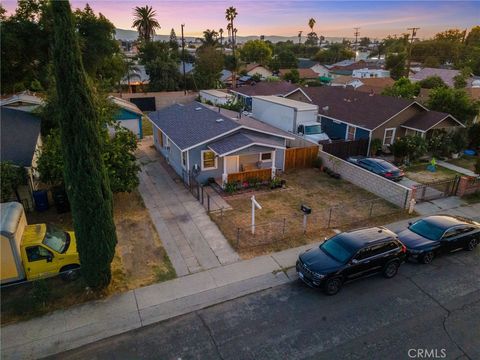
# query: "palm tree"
{"points": [[300, 37], [210, 38], [145, 22], [311, 23], [230, 15], [229, 28], [221, 37]]}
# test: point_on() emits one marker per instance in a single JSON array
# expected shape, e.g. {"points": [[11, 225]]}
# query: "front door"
{"points": [[232, 164]]}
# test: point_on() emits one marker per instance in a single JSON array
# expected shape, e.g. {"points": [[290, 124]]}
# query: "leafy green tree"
{"points": [[454, 35], [473, 37], [455, 102], [50, 163], [173, 41], [396, 64], [293, 76], [335, 53], [86, 180], [208, 68], [432, 82], [12, 177], [256, 51], [364, 42], [161, 64], [459, 82], [145, 22], [431, 61], [473, 135], [403, 88], [287, 60]]}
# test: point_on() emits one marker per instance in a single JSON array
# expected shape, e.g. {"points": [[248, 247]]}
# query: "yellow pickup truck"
{"points": [[34, 251]]}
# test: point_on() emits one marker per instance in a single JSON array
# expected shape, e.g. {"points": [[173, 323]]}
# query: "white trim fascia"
{"points": [[247, 146], [268, 133], [293, 91], [411, 128], [393, 135], [265, 161], [201, 161], [398, 113]]}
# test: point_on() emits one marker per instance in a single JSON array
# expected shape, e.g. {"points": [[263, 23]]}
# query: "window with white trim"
{"points": [[389, 136], [264, 157], [209, 160], [351, 132]]}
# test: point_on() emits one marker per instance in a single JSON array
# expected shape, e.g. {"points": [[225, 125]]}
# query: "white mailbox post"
{"points": [[255, 205]]}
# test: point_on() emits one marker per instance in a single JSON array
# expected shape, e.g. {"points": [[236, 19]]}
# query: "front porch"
{"points": [[244, 167]]}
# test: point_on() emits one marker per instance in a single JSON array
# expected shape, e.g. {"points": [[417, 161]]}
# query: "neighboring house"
{"points": [[216, 97], [346, 67], [305, 74], [304, 63], [370, 73], [226, 77], [21, 144], [346, 80], [351, 115], [252, 69], [129, 116], [207, 144], [25, 101], [319, 69], [446, 75], [375, 85], [277, 88]]}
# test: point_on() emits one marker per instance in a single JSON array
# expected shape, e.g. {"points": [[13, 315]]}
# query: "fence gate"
{"points": [[436, 190], [300, 157], [343, 149]]}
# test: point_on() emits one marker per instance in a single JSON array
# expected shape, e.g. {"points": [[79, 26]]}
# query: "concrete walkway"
{"points": [[192, 240], [82, 324], [456, 168]]}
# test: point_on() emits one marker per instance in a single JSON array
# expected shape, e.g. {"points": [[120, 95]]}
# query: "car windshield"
{"points": [[56, 239], [427, 230], [338, 248], [313, 129]]}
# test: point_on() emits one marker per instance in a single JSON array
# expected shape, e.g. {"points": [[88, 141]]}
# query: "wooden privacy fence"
{"points": [[343, 149], [260, 174], [302, 157]]}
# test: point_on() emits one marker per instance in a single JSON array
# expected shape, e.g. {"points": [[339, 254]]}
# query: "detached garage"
{"points": [[129, 115]]}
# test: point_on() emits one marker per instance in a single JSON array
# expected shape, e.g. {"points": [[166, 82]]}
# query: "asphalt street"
{"points": [[426, 311]]}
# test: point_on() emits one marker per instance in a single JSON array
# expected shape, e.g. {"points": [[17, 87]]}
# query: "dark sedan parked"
{"points": [[379, 167], [433, 235], [350, 255]]}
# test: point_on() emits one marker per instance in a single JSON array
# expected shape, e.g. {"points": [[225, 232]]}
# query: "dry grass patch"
{"points": [[419, 173], [466, 162], [140, 260], [280, 221]]}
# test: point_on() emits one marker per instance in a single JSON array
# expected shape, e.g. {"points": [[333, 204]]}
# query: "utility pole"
{"points": [[414, 33], [183, 63], [356, 33], [300, 37]]}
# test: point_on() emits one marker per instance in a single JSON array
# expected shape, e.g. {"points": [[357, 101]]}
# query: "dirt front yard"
{"points": [[419, 173], [140, 260], [466, 162], [336, 205]]}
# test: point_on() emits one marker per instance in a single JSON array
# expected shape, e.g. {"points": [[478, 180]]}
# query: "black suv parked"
{"points": [[350, 255]]}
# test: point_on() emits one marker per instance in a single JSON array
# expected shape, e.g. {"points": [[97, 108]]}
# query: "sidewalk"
{"points": [[82, 324], [456, 168]]}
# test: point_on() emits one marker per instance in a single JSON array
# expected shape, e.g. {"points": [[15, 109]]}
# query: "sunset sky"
{"points": [[271, 17]]}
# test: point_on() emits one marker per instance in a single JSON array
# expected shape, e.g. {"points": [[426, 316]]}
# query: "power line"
{"points": [[414, 33]]}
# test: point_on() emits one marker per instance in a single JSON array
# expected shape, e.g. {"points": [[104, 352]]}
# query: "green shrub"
{"points": [[231, 187], [477, 166], [375, 146]]}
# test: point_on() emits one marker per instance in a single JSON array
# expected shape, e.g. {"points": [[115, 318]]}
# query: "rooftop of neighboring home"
{"points": [[425, 120], [216, 93], [365, 110], [22, 99], [279, 88], [251, 66], [375, 85], [125, 104], [304, 73], [19, 131], [446, 75], [192, 124], [299, 105], [344, 80], [306, 63], [351, 65]]}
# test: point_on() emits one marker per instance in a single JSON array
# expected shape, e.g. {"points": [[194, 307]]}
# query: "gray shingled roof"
{"points": [[426, 120], [266, 88], [186, 126], [19, 134], [243, 139]]}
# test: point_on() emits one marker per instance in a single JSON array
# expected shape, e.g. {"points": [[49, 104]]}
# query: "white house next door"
{"points": [[232, 164]]}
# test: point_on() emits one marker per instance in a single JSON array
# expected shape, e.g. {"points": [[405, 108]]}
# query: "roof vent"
{"points": [[325, 108], [198, 108], [219, 120]]}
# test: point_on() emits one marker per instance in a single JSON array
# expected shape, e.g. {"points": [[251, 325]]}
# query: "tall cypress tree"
{"points": [[86, 179]]}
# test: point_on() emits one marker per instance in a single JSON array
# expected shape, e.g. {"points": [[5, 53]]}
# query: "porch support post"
{"points": [[273, 163], [224, 175]]}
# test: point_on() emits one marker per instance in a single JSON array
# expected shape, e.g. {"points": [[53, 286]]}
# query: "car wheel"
{"points": [[332, 286], [70, 272], [390, 269], [427, 258], [472, 244]]}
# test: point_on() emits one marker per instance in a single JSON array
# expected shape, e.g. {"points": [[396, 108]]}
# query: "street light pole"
{"points": [[414, 33]]}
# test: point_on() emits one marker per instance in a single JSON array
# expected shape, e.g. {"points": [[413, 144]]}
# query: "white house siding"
{"points": [[264, 73], [370, 73], [130, 124], [321, 70]]}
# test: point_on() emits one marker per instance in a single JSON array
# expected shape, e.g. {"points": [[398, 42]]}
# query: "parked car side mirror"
{"points": [[354, 261]]}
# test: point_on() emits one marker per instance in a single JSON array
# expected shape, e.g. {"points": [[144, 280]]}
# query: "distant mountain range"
{"points": [[129, 35]]}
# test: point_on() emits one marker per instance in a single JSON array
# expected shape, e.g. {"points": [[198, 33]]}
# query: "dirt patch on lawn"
{"points": [[336, 205], [140, 260]]}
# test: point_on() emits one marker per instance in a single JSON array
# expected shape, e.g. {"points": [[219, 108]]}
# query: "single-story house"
{"points": [[346, 80], [446, 75], [319, 69], [129, 115], [21, 145], [305, 74], [213, 143], [346, 67], [216, 97], [277, 88], [25, 101], [375, 85], [348, 114]]}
